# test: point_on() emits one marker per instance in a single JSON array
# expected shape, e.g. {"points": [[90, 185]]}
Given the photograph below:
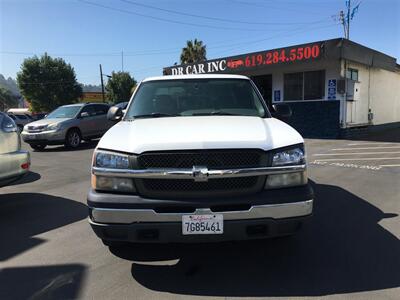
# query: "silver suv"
{"points": [[68, 125]]}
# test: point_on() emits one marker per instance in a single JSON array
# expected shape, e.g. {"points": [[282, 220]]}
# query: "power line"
{"points": [[214, 18], [294, 32], [256, 4], [147, 52], [168, 20]]}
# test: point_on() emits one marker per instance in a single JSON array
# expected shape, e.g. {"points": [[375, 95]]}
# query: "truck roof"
{"points": [[195, 76]]}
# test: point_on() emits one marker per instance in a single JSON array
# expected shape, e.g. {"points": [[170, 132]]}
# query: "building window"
{"points": [[352, 74], [314, 85], [293, 86], [304, 85]]}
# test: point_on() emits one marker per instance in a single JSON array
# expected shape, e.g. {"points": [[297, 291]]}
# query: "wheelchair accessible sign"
{"points": [[332, 89]]}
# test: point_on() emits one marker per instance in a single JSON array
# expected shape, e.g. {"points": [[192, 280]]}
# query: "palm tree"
{"points": [[194, 51]]}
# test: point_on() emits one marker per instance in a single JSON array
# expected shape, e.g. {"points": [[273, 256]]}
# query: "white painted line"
{"points": [[366, 148], [369, 158], [377, 143], [360, 153], [389, 165]]}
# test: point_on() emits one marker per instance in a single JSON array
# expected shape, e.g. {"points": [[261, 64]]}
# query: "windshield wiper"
{"points": [[154, 115], [215, 113]]}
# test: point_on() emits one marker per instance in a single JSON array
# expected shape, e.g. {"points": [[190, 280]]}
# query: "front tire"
{"points": [[73, 139], [38, 147]]}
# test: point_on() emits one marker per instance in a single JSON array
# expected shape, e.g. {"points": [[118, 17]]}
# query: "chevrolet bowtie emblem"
{"points": [[200, 173]]}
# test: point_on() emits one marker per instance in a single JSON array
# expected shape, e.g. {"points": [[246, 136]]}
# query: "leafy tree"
{"points": [[194, 51], [119, 87], [7, 99], [47, 83]]}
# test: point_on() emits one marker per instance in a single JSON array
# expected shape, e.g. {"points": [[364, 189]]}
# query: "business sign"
{"points": [[256, 60], [92, 97], [332, 89]]}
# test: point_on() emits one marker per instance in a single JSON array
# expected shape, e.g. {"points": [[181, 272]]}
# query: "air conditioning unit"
{"points": [[341, 86]]}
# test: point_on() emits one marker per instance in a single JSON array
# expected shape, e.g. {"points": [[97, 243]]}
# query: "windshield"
{"points": [[64, 112], [196, 97]]}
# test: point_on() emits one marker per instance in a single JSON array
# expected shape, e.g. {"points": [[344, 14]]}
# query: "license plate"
{"points": [[202, 224]]}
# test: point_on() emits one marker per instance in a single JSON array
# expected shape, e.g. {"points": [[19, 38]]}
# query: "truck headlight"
{"points": [[288, 157], [286, 180], [104, 159], [293, 156], [113, 184], [112, 160]]}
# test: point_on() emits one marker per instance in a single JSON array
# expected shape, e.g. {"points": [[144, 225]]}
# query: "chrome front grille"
{"points": [[212, 159]]}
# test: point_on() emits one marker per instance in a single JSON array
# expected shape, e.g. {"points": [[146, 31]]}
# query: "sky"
{"points": [[151, 34]]}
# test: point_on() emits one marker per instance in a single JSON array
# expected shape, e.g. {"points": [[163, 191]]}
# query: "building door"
{"points": [[264, 85]]}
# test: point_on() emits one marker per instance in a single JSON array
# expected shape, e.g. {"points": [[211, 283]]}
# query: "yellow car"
{"points": [[14, 162]]}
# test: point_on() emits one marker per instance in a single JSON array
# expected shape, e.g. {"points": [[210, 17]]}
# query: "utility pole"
{"points": [[343, 20], [348, 18], [102, 83], [122, 60]]}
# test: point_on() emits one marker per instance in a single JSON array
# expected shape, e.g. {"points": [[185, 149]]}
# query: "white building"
{"points": [[311, 79]]}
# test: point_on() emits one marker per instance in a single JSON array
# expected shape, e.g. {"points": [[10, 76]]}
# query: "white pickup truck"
{"points": [[198, 158]]}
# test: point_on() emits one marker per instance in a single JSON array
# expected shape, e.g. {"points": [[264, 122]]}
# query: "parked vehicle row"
{"points": [[68, 125]]}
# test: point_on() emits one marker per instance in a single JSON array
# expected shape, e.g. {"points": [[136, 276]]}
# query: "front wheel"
{"points": [[73, 139], [38, 147]]}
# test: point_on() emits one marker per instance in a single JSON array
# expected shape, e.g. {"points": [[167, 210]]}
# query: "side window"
{"points": [[22, 117], [88, 109], [12, 117], [100, 109]]}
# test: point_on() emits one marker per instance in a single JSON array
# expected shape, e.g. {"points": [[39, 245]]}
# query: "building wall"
{"points": [[385, 96], [378, 92]]}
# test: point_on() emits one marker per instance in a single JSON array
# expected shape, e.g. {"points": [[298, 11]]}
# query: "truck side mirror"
{"points": [[114, 113], [281, 111]]}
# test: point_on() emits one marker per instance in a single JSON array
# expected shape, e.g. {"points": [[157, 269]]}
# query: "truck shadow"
{"points": [[42, 282], [342, 250], [25, 215]]}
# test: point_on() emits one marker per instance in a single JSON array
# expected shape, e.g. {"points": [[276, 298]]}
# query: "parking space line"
{"points": [[377, 143], [365, 148], [388, 166], [360, 153], [369, 158]]}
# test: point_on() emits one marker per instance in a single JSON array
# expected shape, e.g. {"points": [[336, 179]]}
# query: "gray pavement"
{"points": [[350, 250]]}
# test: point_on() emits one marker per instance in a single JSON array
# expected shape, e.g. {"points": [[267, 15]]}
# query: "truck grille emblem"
{"points": [[200, 173]]}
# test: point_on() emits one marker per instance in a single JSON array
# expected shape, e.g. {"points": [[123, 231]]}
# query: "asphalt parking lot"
{"points": [[350, 250]]}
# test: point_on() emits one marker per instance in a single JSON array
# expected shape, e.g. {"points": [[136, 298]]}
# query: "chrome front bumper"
{"points": [[272, 211]]}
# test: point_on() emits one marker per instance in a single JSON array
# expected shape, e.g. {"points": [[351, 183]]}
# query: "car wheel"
{"points": [[73, 139], [38, 147]]}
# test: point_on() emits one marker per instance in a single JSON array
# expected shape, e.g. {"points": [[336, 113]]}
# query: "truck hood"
{"points": [[199, 132]]}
